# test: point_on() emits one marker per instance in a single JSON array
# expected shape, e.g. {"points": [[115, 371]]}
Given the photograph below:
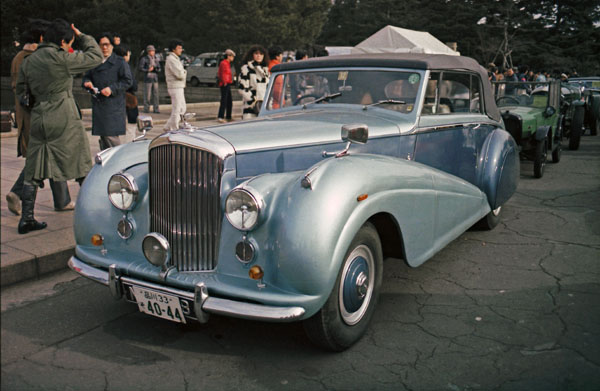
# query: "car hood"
{"points": [[526, 113], [307, 127]]}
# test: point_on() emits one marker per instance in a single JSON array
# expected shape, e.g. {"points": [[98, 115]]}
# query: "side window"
{"points": [[277, 98], [452, 92], [430, 106], [476, 104], [210, 62]]}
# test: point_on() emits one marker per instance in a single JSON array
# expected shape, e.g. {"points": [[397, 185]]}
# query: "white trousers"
{"points": [[177, 108]]}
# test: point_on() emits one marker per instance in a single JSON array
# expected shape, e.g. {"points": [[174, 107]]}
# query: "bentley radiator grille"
{"points": [[185, 204]]}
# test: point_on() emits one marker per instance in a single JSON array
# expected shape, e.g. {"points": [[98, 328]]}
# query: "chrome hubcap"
{"points": [[356, 285]]}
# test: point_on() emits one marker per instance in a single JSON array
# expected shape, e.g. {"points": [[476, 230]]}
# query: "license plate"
{"points": [[158, 304]]}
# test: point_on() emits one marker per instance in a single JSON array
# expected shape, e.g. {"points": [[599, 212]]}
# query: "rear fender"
{"points": [[500, 167]]}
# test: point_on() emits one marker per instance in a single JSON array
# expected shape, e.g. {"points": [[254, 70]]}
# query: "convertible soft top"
{"points": [[402, 60]]}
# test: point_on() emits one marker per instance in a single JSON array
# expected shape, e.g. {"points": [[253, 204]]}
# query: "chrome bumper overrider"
{"points": [[203, 304]]}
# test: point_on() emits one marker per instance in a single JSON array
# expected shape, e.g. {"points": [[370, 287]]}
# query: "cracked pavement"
{"points": [[516, 308]]}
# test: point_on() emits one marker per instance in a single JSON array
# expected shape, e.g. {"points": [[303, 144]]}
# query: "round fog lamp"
{"points": [[244, 251], [122, 191], [125, 228], [156, 249]]}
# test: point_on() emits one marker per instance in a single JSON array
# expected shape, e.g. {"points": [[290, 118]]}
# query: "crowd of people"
{"points": [[523, 73]]}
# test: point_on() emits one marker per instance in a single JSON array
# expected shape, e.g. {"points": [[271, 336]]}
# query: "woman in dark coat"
{"points": [[58, 146], [112, 78]]}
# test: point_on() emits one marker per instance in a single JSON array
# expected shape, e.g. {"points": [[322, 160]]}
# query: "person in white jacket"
{"points": [[175, 75]]}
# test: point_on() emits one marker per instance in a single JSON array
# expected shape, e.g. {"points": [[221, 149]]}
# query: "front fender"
{"points": [[542, 132], [307, 231], [95, 214]]}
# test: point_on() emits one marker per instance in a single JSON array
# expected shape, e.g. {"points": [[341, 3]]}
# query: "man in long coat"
{"points": [[31, 37], [112, 78], [58, 145]]}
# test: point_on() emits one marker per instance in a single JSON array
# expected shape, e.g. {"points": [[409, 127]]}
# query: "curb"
{"points": [[35, 267]]}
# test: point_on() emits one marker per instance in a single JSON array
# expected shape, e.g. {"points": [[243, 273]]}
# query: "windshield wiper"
{"points": [[323, 98], [385, 102]]}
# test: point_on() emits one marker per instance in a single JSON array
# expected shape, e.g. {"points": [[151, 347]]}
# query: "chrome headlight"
{"points": [[243, 209], [122, 191]]}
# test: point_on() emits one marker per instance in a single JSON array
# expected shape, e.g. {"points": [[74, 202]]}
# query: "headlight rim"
{"points": [[258, 201], [130, 179]]}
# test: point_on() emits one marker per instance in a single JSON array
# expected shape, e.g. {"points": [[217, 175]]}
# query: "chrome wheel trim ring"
{"points": [[352, 318]]}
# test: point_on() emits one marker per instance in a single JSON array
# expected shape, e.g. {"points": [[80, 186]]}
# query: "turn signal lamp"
{"points": [[256, 273], [97, 240], [362, 197]]}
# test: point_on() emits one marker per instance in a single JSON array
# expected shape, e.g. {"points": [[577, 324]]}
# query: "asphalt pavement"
{"points": [[29, 256]]}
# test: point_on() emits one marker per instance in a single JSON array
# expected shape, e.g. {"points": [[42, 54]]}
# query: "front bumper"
{"points": [[201, 303]]}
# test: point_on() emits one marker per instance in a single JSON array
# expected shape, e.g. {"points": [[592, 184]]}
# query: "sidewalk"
{"points": [[24, 257]]}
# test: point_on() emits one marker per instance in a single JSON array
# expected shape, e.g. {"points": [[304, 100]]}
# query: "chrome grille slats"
{"points": [[185, 206]]}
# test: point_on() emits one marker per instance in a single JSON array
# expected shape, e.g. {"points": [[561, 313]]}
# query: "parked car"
{"points": [[288, 217], [590, 90], [572, 110], [204, 68], [530, 111]]}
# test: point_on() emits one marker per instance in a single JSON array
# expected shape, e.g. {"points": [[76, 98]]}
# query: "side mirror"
{"points": [[144, 124], [355, 133], [549, 112], [351, 134]]}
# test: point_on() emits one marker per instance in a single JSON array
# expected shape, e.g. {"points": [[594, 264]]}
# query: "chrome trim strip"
{"points": [[213, 305], [455, 125]]}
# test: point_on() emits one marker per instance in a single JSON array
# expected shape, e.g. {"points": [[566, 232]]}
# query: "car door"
{"points": [[452, 126]]}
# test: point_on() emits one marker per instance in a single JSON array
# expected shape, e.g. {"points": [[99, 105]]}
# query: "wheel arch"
{"points": [[390, 234]]}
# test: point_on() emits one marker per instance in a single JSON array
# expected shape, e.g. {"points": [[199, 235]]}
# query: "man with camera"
{"points": [[108, 83]]}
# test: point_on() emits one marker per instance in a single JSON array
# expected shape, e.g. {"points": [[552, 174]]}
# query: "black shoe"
{"points": [[28, 226]]}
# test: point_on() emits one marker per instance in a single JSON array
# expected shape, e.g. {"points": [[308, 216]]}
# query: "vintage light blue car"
{"points": [[287, 217]]}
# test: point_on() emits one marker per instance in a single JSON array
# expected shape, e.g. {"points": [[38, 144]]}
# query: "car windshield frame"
{"points": [[526, 94], [354, 90]]}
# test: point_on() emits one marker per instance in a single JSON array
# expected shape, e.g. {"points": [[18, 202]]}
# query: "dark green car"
{"points": [[589, 88], [530, 111], [572, 110]]}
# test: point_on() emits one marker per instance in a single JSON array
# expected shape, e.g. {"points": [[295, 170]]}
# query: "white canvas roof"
{"points": [[391, 39]]}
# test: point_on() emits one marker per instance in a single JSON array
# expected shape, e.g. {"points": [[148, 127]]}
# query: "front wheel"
{"points": [[346, 314], [195, 82], [556, 153], [539, 161]]}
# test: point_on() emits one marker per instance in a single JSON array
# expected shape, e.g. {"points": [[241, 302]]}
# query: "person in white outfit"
{"points": [[175, 75]]}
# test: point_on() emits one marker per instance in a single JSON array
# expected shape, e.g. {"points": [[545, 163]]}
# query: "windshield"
{"points": [[389, 90], [526, 94]]}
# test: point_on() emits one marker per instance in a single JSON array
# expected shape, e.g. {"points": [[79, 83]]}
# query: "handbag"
{"points": [[131, 100]]}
